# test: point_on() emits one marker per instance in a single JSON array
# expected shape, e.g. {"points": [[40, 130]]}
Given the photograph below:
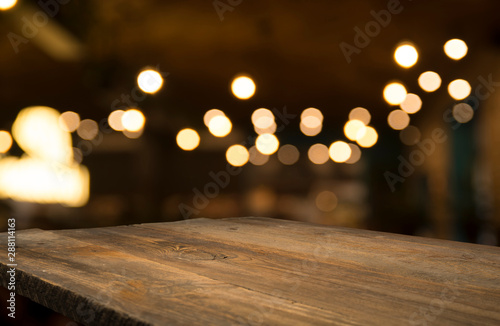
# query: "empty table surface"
{"points": [[255, 271]]}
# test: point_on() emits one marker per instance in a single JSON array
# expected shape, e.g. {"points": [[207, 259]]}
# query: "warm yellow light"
{"points": [[7, 4], [133, 120], [149, 81], [188, 139], [267, 144], [394, 93], [262, 118], [115, 120], [398, 119], [463, 112], [455, 49], [5, 141], [311, 122], [69, 121], [429, 81], [369, 139], [88, 129], [220, 126], [410, 135], [310, 131], [406, 55], [133, 134], [237, 155], [211, 114], [339, 151], [355, 154], [326, 201], [269, 130], [312, 112], [36, 130], [411, 104], [459, 89], [318, 154], [354, 129], [360, 114], [256, 157], [243, 87], [288, 154]]}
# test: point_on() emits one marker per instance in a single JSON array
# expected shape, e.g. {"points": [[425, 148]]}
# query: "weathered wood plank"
{"points": [[257, 271]]}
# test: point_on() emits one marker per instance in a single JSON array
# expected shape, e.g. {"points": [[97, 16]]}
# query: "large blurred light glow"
{"points": [[406, 55], [188, 139], [310, 131], [149, 81], [354, 129], [360, 114], [267, 144], [410, 135], [7, 4], [326, 201], [355, 154], [220, 126], [394, 93], [318, 154], [369, 139], [456, 49], [311, 122], [463, 112], [288, 154], [429, 81], [269, 130], [133, 120], [312, 112], [260, 114], [237, 155], [459, 89], [398, 119], [115, 120], [339, 151], [133, 134], [211, 114], [46, 173], [256, 157], [69, 121], [88, 129], [411, 104], [5, 141], [243, 87]]}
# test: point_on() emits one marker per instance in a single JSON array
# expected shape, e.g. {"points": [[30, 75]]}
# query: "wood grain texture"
{"points": [[255, 271]]}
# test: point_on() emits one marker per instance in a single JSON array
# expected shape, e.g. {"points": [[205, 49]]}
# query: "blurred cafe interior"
{"points": [[371, 114]]}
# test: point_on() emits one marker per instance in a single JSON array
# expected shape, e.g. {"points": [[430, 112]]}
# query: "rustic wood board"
{"points": [[255, 271]]}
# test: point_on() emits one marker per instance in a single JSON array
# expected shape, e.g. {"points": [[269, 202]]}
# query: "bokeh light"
{"points": [[7, 4], [355, 154], [398, 119], [360, 114], [133, 134], [326, 201], [339, 151], [237, 155], [459, 89], [394, 93], [188, 139], [288, 154], [88, 129], [243, 87], [318, 154], [5, 141], [69, 121], [310, 131], [429, 81], [456, 49], [411, 104], [133, 120], [267, 144], [410, 135], [312, 112], [463, 112], [211, 114], [369, 138], [406, 55], [149, 81], [115, 120], [256, 157], [220, 126], [354, 129]]}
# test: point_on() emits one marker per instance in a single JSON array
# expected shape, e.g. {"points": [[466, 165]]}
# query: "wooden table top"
{"points": [[255, 271]]}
